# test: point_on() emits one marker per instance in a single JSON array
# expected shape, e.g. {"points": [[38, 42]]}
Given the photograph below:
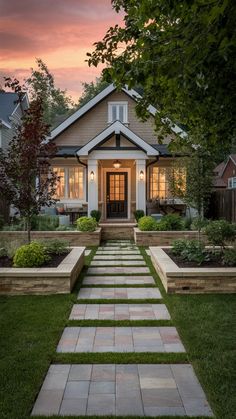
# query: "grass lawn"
{"points": [[31, 326]]}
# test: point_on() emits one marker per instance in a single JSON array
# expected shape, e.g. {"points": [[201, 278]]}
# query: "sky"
{"points": [[60, 32]]}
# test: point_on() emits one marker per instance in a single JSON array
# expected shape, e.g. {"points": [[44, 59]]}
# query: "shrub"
{"points": [[171, 222], [138, 214], [56, 246], [147, 223], [229, 257], [179, 246], [86, 224], [96, 214], [219, 232], [199, 223], [30, 255], [45, 222], [3, 252]]}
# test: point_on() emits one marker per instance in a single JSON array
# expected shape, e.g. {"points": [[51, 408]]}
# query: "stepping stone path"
{"points": [[120, 389]]}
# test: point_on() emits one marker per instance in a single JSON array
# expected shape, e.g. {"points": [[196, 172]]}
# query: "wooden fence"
{"points": [[223, 205]]}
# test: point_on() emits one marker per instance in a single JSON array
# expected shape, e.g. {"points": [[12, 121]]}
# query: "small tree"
{"points": [[26, 177]]}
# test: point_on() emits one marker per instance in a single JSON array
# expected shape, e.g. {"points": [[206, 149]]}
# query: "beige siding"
{"points": [[96, 120]]}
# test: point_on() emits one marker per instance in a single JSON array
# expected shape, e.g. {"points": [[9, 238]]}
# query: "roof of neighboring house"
{"points": [[219, 169], [219, 183], [8, 104], [97, 99]]}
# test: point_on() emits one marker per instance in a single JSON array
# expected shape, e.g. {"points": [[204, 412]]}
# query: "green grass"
{"points": [[31, 326]]}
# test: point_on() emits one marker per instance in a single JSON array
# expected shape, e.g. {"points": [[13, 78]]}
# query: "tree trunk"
{"points": [[28, 224]]}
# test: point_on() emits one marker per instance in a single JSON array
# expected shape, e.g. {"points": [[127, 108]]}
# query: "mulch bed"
{"points": [[6, 262], [216, 263]]}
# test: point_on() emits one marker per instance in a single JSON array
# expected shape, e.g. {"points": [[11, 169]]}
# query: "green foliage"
{"points": [[229, 257], [1, 222], [199, 223], [57, 246], [30, 255], [45, 222], [178, 246], [219, 232], [190, 250], [147, 223], [170, 222], [90, 90], [3, 251], [96, 214], [138, 214], [64, 228], [86, 224]]}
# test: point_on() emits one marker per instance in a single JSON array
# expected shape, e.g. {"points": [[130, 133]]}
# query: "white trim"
{"points": [[66, 198], [5, 124], [120, 155], [104, 171], [18, 105], [111, 88], [117, 127], [125, 111]]}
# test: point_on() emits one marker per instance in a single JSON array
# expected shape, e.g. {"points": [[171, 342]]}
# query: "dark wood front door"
{"points": [[117, 194]]}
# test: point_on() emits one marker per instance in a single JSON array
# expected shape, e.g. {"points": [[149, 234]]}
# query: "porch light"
{"points": [[92, 175], [141, 175], [117, 164]]}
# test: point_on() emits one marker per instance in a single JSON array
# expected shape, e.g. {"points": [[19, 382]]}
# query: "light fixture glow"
{"points": [[116, 164], [92, 175], [141, 175]]}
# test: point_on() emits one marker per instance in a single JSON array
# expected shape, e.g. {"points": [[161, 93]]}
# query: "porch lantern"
{"points": [[141, 175], [92, 175], [117, 164]]}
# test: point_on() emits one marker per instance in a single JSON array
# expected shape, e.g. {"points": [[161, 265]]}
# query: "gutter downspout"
{"points": [[85, 165]]}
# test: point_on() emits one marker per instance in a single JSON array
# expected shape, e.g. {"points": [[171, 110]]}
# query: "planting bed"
{"points": [[192, 280]]}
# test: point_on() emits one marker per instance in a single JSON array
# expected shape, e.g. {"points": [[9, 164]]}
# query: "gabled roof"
{"points": [[232, 157], [117, 128], [98, 98], [8, 106]]}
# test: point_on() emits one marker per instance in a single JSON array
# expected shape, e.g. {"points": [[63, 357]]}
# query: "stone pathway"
{"points": [[120, 389]]}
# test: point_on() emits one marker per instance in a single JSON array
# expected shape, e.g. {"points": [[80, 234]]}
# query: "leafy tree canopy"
{"points": [[56, 104], [90, 90], [183, 54]]}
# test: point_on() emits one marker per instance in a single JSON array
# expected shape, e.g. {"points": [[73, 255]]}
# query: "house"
{"points": [[108, 159], [10, 115], [225, 174]]}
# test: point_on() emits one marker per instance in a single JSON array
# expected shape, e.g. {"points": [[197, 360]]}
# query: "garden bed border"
{"points": [[163, 238], [191, 280]]}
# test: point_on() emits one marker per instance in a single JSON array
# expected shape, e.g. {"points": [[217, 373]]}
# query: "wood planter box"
{"points": [[75, 238], [162, 238], [192, 280], [58, 280]]}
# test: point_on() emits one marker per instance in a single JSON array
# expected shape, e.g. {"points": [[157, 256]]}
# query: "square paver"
{"points": [[122, 390], [121, 339], [118, 280], [119, 293], [118, 270]]}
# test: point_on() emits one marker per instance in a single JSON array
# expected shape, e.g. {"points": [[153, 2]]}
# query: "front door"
{"points": [[117, 184]]}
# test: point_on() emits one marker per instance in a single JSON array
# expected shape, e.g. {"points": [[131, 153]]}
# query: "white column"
{"points": [[141, 185], [92, 185]]}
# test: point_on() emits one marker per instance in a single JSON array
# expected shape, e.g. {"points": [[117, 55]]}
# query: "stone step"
{"points": [[118, 257], [121, 390], [119, 312], [117, 248], [118, 280], [118, 252], [120, 339], [118, 262], [119, 293], [123, 270]]}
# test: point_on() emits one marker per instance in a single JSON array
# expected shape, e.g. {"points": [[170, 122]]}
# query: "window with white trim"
{"points": [[159, 181], [118, 111], [232, 183], [71, 183]]}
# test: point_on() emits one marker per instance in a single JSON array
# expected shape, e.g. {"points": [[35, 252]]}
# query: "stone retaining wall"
{"points": [[192, 280], [162, 238], [117, 231], [75, 238], [60, 280]]}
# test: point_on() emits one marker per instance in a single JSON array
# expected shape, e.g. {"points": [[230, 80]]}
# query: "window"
{"points": [[71, 184], [158, 183], [117, 111], [232, 182]]}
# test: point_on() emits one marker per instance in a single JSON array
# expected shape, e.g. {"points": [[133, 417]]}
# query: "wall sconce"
{"points": [[117, 164], [92, 175], [141, 175]]}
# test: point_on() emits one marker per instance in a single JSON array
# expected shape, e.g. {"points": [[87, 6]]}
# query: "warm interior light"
{"points": [[141, 175], [92, 175], [116, 164]]}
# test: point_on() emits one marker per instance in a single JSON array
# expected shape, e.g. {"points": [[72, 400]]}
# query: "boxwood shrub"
{"points": [[147, 223], [86, 224], [30, 256]]}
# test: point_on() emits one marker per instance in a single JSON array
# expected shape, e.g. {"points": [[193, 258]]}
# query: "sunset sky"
{"points": [[58, 31]]}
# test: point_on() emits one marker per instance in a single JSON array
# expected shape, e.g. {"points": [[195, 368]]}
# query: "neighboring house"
{"points": [[108, 159], [225, 174], [10, 116]]}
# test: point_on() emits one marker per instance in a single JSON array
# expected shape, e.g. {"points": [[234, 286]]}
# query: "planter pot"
{"points": [[192, 280]]}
